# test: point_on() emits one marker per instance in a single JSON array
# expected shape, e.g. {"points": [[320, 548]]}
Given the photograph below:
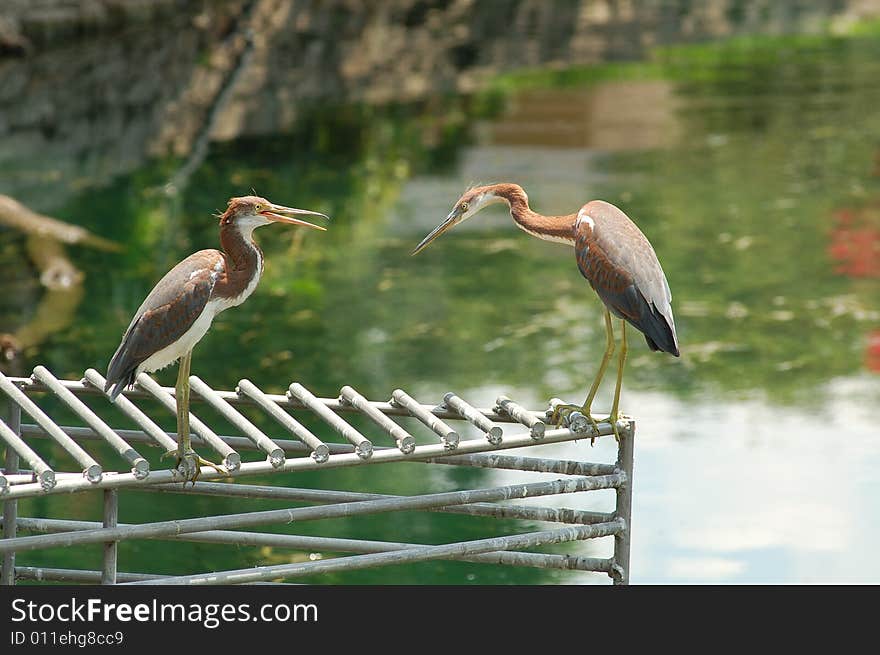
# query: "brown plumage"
{"points": [[611, 253], [179, 310], [622, 267]]}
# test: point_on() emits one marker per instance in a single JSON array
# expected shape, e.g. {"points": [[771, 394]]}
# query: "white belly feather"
{"points": [[199, 328]]}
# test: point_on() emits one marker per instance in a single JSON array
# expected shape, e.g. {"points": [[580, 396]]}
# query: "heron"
{"points": [[179, 310], [612, 254]]}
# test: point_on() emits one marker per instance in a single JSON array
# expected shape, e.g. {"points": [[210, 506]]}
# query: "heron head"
{"points": [[250, 212], [471, 202]]}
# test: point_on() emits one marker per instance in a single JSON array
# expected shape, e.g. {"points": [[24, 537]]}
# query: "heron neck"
{"points": [[240, 249], [548, 228]]}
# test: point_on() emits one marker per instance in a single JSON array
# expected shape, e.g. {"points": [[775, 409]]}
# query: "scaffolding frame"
{"points": [[440, 440]]}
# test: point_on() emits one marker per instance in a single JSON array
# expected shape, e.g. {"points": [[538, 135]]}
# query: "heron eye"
{"points": [[464, 206]]}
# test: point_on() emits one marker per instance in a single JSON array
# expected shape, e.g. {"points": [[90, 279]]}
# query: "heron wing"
{"points": [[621, 265], [166, 314]]}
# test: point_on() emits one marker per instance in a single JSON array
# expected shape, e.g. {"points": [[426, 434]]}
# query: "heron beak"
{"points": [[282, 214], [453, 218]]}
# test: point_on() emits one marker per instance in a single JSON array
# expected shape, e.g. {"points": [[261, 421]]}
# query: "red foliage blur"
{"points": [[855, 242], [872, 352]]}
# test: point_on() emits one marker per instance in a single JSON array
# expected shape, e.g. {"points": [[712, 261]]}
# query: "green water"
{"points": [[759, 188]]}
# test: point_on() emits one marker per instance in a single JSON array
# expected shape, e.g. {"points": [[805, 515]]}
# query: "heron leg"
{"points": [[184, 445], [621, 362], [185, 454], [562, 412]]}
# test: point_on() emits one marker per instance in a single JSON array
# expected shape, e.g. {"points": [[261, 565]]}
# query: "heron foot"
{"points": [[575, 418], [612, 419], [189, 464]]}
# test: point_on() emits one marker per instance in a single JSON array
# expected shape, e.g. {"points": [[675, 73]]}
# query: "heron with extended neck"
{"points": [[615, 258], [178, 312]]}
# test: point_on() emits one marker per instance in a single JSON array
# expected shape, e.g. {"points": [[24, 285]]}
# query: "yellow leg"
{"points": [[185, 454], [184, 447], [609, 351], [621, 362], [561, 412]]}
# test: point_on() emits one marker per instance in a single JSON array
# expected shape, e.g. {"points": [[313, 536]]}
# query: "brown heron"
{"points": [[615, 258], [178, 311]]}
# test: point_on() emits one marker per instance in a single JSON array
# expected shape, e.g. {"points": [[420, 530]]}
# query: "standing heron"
{"points": [[615, 258], [178, 311]]}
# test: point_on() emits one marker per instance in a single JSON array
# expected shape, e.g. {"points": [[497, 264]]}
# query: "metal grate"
{"points": [[440, 440]]}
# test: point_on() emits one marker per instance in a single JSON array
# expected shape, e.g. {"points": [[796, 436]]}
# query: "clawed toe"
{"points": [[189, 464]]}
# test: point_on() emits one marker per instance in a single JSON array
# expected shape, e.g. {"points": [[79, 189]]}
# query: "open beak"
{"points": [[452, 219], [282, 214]]}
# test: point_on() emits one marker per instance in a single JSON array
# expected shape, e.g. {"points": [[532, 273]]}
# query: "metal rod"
{"points": [[10, 507], [132, 411], [620, 569], [320, 451], [45, 475], [333, 544], [493, 510], [385, 455], [576, 420], [484, 460], [362, 446], [506, 406], [419, 554], [475, 417], [274, 453], [91, 469], [87, 434], [339, 510], [111, 518], [140, 467], [235, 399], [17, 478], [75, 575], [231, 459], [405, 441], [536, 464], [448, 436]]}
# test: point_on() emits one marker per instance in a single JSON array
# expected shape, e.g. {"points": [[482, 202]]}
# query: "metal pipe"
{"points": [[91, 469], [45, 475], [140, 467], [274, 454], [111, 519], [493, 510], [18, 478], [404, 440], [385, 455], [320, 451], [333, 544], [338, 510], [536, 426], [132, 411], [623, 512], [10, 507], [475, 417], [448, 436], [362, 446], [536, 464], [87, 434], [235, 399], [576, 421], [231, 459], [75, 575], [484, 460], [420, 554]]}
